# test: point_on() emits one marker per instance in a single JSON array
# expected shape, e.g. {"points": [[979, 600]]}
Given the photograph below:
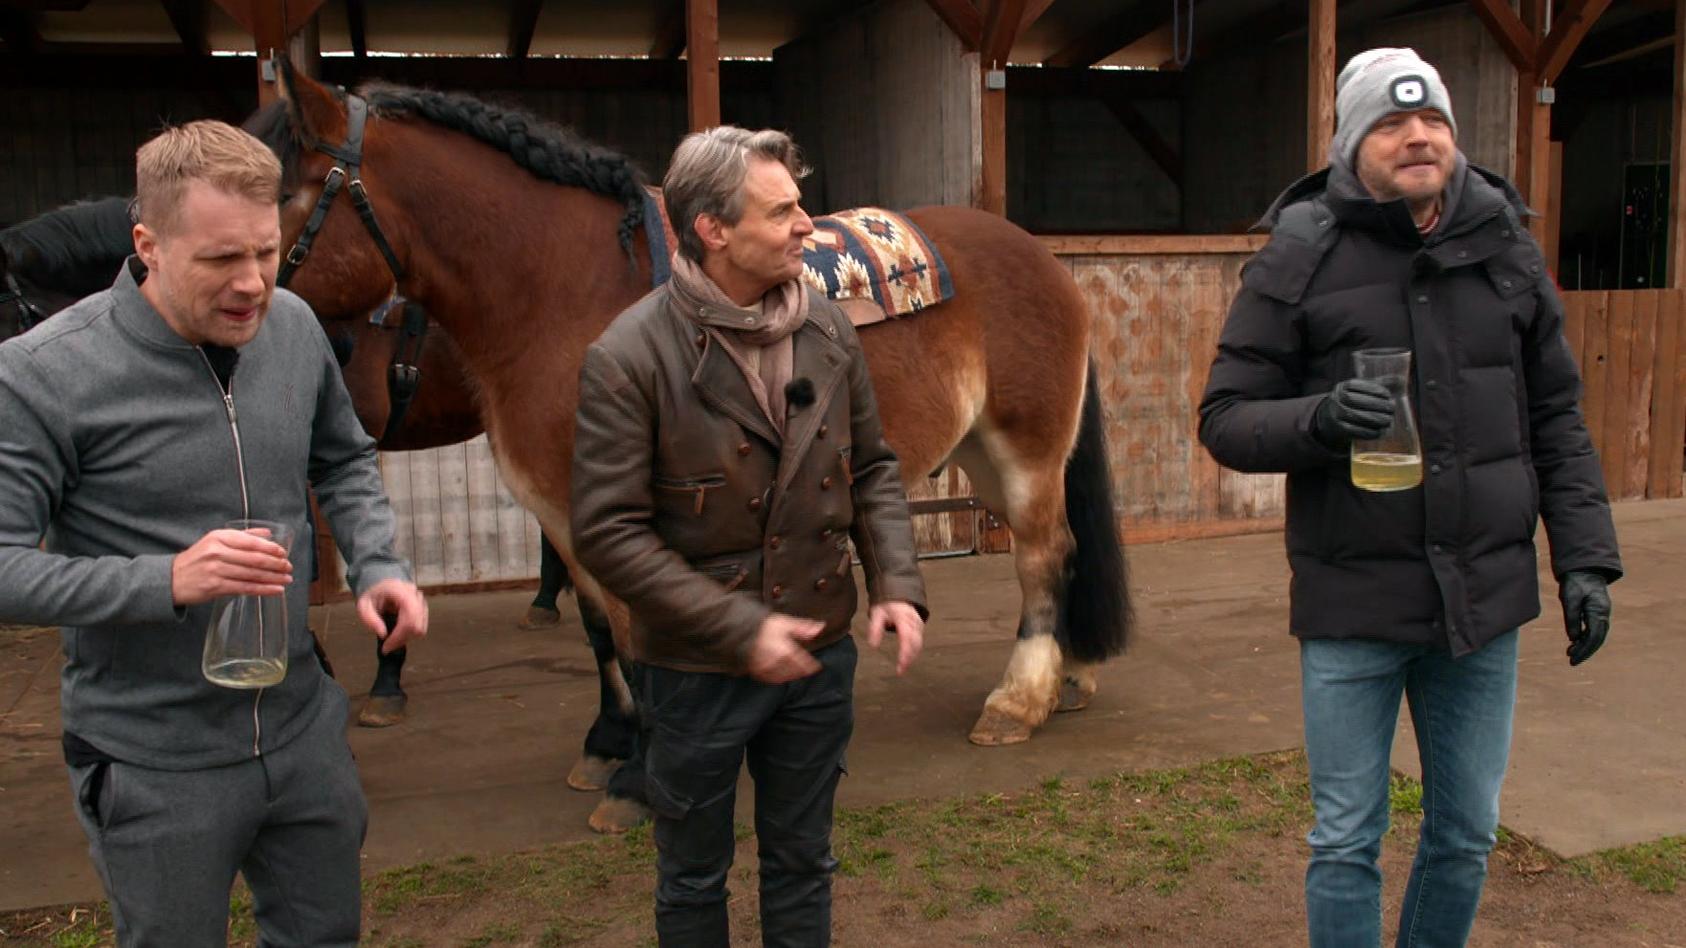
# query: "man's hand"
{"points": [[904, 621], [779, 652], [394, 597], [1356, 410], [1586, 612], [229, 563]]}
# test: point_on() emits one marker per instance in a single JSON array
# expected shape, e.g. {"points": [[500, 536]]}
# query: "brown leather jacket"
{"points": [[690, 507]]}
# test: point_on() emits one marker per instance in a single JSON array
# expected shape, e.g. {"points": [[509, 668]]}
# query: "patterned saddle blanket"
{"points": [[875, 263]]}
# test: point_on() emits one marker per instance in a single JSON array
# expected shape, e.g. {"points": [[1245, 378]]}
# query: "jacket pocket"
{"points": [[729, 575], [695, 488]]}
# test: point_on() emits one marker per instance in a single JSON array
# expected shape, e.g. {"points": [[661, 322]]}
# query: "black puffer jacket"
{"points": [[1495, 392]]}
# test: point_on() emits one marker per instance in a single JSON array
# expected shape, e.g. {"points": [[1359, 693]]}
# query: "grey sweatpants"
{"points": [[168, 843]]}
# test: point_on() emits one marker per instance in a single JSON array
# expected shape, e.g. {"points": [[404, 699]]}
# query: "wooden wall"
{"points": [[1632, 353], [1073, 168], [1158, 305], [1245, 114], [884, 103]]}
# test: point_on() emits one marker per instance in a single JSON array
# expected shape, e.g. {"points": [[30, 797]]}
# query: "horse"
{"points": [[524, 241], [57, 258]]}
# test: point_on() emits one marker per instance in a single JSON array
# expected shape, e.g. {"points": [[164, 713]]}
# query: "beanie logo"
{"points": [[1408, 92]]}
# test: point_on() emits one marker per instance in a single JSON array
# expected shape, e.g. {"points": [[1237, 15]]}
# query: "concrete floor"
{"points": [[497, 714]]}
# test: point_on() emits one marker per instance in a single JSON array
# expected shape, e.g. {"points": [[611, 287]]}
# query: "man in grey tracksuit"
{"points": [[135, 424]]}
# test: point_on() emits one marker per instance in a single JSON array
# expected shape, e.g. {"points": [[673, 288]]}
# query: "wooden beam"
{"points": [[1516, 40], [1033, 10], [1677, 156], [1568, 28], [1147, 136], [280, 17], [702, 63], [1001, 28], [188, 19], [17, 29], [670, 36], [991, 191], [963, 18], [1320, 83], [44, 6], [1122, 29], [523, 20], [357, 23]]}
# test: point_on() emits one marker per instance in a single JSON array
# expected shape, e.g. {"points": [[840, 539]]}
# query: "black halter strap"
{"points": [[403, 376], [346, 173], [29, 315]]}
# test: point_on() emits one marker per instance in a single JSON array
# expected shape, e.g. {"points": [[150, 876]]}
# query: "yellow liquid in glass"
{"points": [[248, 672], [1373, 470]]}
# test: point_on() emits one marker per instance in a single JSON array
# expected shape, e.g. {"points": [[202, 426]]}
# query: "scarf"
{"points": [[763, 350]]}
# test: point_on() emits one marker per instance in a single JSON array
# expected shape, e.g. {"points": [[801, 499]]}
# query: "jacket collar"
{"points": [[815, 355], [135, 313], [1482, 215]]}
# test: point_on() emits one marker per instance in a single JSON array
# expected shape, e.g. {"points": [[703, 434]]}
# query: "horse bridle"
{"points": [[29, 315], [403, 376]]}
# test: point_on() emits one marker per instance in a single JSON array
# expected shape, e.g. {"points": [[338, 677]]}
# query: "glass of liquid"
{"points": [[1393, 461], [246, 643]]}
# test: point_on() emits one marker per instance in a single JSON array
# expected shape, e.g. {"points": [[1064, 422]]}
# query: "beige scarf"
{"points": [[762, 350]]}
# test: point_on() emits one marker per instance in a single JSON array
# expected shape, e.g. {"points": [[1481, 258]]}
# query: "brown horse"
{"points": [[524, 242]]}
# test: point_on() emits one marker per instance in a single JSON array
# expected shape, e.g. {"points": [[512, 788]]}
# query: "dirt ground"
{"points": [[1211, 855], [475, 839]]}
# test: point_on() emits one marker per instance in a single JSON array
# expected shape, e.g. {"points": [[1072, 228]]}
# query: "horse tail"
{"points": [[1095, 614]]}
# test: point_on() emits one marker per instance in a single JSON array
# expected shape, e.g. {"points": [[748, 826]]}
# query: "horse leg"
{"points": [[1032, 496], [553, 578], [612, 737], [386, 702]]}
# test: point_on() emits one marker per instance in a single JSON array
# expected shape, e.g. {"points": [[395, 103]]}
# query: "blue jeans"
{"points": [[1462, 710]]}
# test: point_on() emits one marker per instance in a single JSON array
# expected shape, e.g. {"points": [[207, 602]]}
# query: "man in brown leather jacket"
{"points": [[728, 448]]}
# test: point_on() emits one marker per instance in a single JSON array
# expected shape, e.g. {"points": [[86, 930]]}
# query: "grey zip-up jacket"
{"points": [[119, 448]]}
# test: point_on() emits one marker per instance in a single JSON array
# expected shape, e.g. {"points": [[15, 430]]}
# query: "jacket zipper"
{"points": [[245, 513]]}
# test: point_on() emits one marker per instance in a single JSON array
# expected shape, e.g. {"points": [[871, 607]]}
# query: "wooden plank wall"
{"points": [[1632, 354], [1158, 305], [882, 102]]}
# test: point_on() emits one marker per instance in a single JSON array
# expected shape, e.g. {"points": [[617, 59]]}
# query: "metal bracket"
{"points": [[1545, 95], [995, 79]]}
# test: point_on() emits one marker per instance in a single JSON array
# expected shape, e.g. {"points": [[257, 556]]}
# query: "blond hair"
{"points": [[214, 152], [707, 173]]}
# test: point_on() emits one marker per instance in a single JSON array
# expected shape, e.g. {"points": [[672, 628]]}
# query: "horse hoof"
{"points": [[995, 728], [616, 815], [1074, 696], [538, 617], [592, 773], [382, 711]]}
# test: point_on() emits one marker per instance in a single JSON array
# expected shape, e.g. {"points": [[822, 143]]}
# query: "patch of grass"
{"points": [[1655, 867], [983, 895], [1405, 795]]}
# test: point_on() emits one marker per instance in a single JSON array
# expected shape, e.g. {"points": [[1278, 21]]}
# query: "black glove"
{"points": [[1586, 612], [1356, 410]]}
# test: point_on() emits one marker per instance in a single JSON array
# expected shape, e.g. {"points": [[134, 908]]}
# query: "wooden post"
{"points": [[1533, 124], [992, 118], [272, 23], [702, 70], [1677, 155], [1320, 83], [1554, 209], [1000, 28]]}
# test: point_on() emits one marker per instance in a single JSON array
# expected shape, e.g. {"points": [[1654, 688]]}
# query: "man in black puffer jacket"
{"points": [[1402, 243]]}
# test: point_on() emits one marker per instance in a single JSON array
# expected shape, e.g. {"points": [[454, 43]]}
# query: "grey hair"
{"points": [[707, 173]]}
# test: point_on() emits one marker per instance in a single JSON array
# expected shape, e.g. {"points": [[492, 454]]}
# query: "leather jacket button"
{"points": [[825, 483], [774, 542], [777, 590], [755, 503], [821, 583], [823, 430], [1434, 469], [743, 449]]}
